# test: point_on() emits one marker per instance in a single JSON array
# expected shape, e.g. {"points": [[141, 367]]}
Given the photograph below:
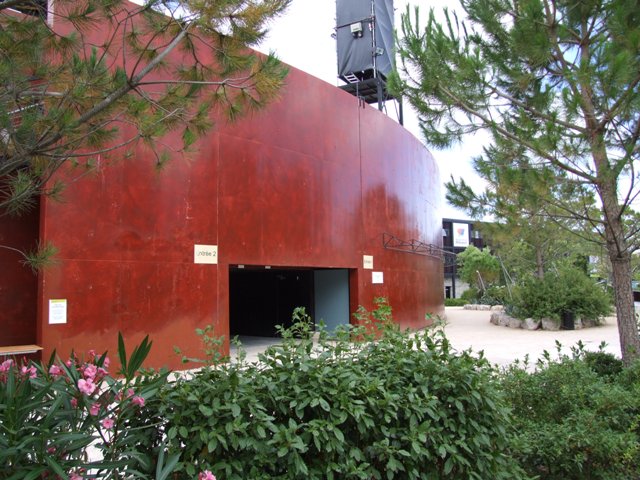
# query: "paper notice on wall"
{"points": [[57, 311], [377, 277], [367, 262]]}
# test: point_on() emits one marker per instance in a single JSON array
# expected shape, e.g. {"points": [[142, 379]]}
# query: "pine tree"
{"points": [[88, 79], [557, 85]]}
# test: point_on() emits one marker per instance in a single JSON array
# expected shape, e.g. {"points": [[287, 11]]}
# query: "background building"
{"points": [[456, 236]]}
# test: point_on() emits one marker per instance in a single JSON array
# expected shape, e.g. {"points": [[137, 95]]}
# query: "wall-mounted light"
{"points": [[356, 30]]}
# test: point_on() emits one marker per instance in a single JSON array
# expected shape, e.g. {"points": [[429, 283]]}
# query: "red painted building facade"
{"points": [[305, 187]]}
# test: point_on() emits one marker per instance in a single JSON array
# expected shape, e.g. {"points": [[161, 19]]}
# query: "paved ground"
{"points": [[472, 329], [501, 345]]}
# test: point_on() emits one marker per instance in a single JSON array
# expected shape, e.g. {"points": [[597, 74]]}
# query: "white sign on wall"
{"points": [[377, 277], [367, 262], [460, 234], [57, 311], [205, 254]]}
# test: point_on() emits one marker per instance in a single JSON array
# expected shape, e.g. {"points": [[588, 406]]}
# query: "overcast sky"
{"points": [[302, 38]]}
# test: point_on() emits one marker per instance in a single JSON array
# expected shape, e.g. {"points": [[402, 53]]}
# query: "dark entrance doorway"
{"points": [[260, 299]]}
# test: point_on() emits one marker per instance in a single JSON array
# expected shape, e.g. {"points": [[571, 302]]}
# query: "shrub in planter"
{"points": [[573, 422], [471, 295], [404, 406], [567, 290], [52, 414]]}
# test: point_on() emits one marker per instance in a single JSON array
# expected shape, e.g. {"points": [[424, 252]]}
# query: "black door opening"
{"points": [[260, 299]]}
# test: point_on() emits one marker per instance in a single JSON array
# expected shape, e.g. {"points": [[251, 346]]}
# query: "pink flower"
{"points": [[30, 371], [138, 400], [94, 409], [90, 371], [107, 423], [6, 365], [86, 386], [91, 354], [106, 362], [74, 402], [75, 476], [206, 475], [56, 371]]}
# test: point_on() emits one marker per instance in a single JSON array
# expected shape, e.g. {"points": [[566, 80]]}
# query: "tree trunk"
{"points": [[539, 262], [620, 256], [627, 326]]}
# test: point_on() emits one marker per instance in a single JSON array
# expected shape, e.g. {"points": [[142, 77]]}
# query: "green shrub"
{"points": [[495, 295], [572, 421], [603, 363], [454, 302], [405, 406], [471, 295], [568, 290]]}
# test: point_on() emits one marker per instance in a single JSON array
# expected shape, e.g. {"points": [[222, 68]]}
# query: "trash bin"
{"points": [[568, 321]]}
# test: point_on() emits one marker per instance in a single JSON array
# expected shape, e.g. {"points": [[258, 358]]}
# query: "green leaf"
{"points": [[206, 411]]}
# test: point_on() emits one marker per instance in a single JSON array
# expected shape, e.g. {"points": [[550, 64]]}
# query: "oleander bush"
{"points": [[72, 419], [576, 417], [405, 406]]}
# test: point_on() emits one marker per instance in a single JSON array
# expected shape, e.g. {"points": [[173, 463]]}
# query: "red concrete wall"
{"points": [[312, 181]]}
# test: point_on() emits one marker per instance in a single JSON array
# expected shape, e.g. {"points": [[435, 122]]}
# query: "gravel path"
{"points": [[501, 345]]}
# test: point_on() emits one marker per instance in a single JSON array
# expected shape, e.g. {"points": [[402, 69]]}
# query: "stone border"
{"points": [[479, 306], [502, 319]]}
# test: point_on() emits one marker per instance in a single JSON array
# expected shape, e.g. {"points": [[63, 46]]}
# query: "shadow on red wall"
{"points": [[18, 283]]}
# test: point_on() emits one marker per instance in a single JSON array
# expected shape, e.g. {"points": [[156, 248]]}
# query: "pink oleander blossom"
{"points": [[106, 362], [56, 371], [94, 409], [90, 371], [107, 423], [138, 401], [206, 475], [75, 476], [6, 366], [31, 371], [74, 402], [86, 386]]}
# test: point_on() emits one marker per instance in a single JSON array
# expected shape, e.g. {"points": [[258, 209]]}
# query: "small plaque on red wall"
{"points": [[205, 254], [377, 277]]}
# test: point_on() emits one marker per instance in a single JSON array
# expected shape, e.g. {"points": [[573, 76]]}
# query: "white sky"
{"points": [[302, 39]]}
